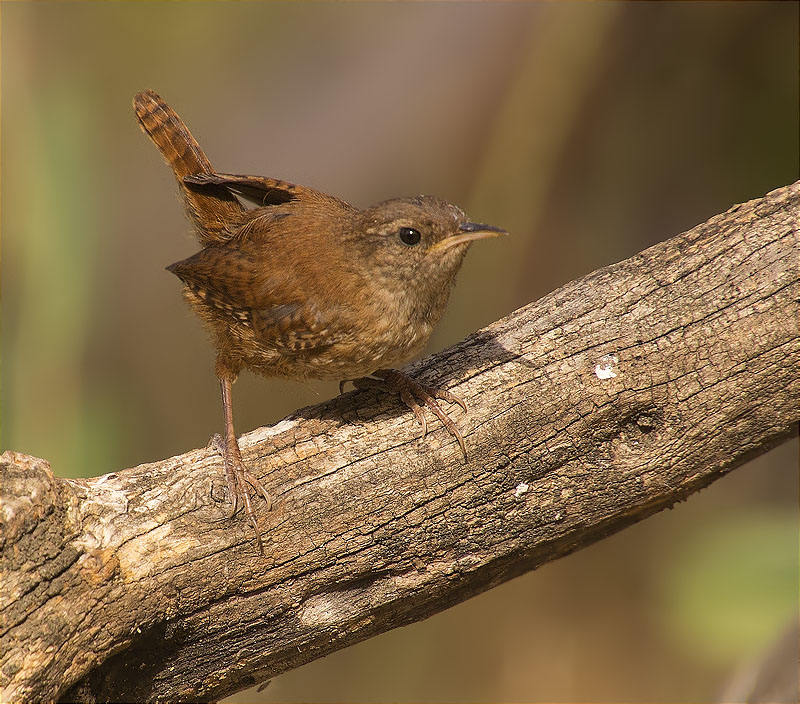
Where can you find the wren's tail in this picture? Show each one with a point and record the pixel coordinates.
(213, 208)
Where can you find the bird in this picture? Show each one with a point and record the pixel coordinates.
(292, 282)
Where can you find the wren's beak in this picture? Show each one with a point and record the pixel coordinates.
(468, 232)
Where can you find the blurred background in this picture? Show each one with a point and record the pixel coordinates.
(590, 131)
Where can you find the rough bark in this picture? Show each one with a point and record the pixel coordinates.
(592, 408)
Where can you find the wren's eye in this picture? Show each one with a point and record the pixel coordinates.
(409, 235)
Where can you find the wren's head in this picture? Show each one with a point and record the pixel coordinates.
(418, 244)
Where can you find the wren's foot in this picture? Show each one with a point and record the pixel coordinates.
(411, 393)
(240, 481)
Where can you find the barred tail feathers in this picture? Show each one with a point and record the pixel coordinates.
(211, 208)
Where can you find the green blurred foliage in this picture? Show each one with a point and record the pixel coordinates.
(590, 130)
(755, 593)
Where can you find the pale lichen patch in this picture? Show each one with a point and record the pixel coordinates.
(607, 368)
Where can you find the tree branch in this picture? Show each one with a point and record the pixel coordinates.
(590, 409)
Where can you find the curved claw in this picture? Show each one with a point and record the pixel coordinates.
(251, 514)
(254, 482)
(451, 398)
(416, 409)
(234, 493)
(442, 416)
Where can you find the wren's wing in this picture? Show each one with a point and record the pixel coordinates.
(257, 286)
(259, 190)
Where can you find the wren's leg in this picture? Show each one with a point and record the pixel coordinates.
(236, 474)
(411, 393)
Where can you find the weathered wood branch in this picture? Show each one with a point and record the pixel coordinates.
(598, 405)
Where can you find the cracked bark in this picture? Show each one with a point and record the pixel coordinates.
(592, 408)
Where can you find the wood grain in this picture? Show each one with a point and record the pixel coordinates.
(592, 408)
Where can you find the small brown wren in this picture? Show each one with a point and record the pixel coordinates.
(304, 285)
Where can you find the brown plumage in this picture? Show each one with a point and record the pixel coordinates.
(304, 285)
